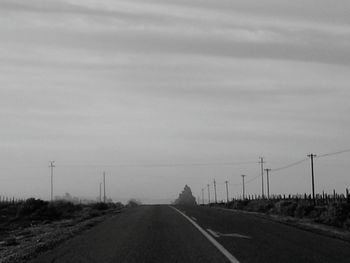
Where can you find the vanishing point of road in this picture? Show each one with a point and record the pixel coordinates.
(160, 233)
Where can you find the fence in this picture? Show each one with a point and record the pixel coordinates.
(10, 200)
(320, 199)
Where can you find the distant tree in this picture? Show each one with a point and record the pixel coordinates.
(186, 197)
(133, 203)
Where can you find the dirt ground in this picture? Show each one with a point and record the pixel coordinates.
(19, 243)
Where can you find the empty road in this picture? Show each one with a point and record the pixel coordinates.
(199, 234)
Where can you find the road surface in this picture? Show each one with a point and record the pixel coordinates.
(162, 234)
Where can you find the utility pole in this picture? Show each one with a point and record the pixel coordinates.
(243, 185)
(262, 175)
(52, 165)
(202, 196)
(100, 192)
(268, 182)
(104, 187)
(226, 182)
(208, 193)
(312, 156)
(215, 191)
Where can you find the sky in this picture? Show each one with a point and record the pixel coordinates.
(161, 93)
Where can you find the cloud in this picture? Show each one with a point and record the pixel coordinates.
(158, 28)
(86, 81)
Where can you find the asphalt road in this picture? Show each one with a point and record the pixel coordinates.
(162, 234)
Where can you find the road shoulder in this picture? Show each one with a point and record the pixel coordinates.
(303, 224)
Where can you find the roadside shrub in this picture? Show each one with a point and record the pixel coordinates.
(36, 209)
(65, 209)
(303, 210)
(262, 206)
(119, 205)
(336, 215)
(49, 212)
(30, 206)
(100, 206)
(286, 208)
(133, 203)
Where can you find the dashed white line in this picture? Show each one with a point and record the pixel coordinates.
(195, 219)
(223, 250)
(212, 232)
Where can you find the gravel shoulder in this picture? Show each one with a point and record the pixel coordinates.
(26, 243)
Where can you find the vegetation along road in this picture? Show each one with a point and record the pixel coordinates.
(195, 234)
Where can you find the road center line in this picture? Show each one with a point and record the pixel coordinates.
(223, 250)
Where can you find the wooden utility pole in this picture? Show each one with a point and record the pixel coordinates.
(268, 182)
(215, 191)
(52, 165)
(262, 175)
(208, 193)
(100, 192)
(226, 182)
(243, 186)
(202, 196)
(312, 156)
(104, 187)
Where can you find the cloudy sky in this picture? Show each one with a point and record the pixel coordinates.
(162, 93)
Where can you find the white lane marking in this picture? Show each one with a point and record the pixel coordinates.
(234, 235)
(218, 234)
(212, 232)
(223, 250)
(195, 219)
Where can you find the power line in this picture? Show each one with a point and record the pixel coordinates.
(289, 165)
(333, 153)
(160, 165)
(253, 179)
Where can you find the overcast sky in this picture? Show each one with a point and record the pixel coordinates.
(94, 84)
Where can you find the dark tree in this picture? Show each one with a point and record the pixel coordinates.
(186, 197)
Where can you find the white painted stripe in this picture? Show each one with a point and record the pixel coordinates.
(195, 219)
(212, 233)
(223, 250)
(235, 235)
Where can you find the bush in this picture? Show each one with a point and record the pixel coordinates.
(286, 208)
(119, 205)
(65, 209)
(262, 206)
(303, 209)
(100, 206)
(133, 203)
(36, 209)
(336, 215)
(30, 206)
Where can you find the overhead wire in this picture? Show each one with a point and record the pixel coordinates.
(289, 165)
(158, 165)
(292, 165)
(333, 153)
